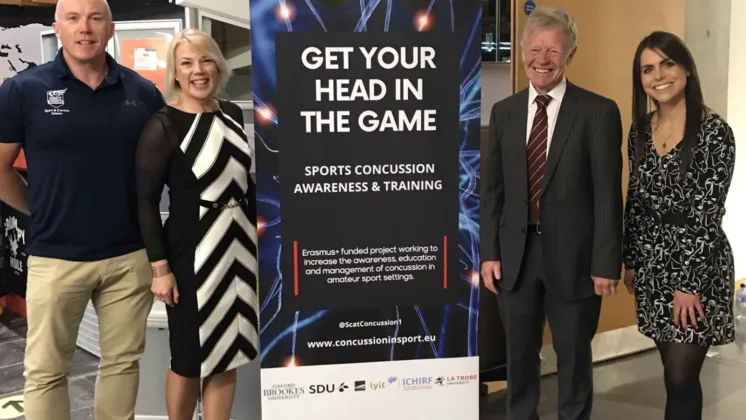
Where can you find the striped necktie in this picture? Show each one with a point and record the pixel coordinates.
(536, 151)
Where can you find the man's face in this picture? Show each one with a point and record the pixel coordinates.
(84, 27)
(546, 56)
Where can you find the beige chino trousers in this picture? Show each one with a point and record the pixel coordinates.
(56, 298)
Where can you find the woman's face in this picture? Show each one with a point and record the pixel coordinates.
(663, 79)
(195, 73)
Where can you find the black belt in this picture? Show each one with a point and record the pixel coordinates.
(224, 205)
(534, 229)
(678, 219)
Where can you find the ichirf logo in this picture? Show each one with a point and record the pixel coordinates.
(56, 98)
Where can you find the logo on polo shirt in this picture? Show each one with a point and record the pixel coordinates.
(56, 99)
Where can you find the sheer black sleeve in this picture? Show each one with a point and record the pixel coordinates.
(153, 157)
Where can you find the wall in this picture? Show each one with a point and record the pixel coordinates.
(715, 34)
(20, 48)
(234, 42)
(235, 12)
(496, 85)
(20, 29)
(608, 32)
(736, 115)
(240, 87)
(21, 26)
(707, 34)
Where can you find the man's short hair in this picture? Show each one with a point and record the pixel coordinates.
(552, 17)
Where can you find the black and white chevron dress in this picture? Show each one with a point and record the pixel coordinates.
(209, 238)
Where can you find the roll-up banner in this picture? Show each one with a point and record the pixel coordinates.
(367, 124)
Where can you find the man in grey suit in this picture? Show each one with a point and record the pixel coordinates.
(551, 217)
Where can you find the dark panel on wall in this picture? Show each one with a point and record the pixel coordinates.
(127, 6)
(15, 16)
(149, 10)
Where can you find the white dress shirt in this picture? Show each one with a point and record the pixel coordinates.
(557, 93)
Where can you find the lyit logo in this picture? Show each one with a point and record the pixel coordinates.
(377, 386)
(359, 386)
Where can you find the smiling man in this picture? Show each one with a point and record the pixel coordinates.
(78, 120)
(551, 217)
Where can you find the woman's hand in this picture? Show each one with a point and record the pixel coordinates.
(629, 280)
(685, 308)
(164, 284)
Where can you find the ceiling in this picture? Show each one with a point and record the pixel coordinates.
(29, 2)
(117, 6)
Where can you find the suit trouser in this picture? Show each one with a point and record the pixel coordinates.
(524, 312)
(57, 295)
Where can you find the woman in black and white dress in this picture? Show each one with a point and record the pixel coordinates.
(204, 258)
(679, 263)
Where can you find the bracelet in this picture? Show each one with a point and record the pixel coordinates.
(161, 270)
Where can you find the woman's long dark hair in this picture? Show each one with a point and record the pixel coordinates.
(675, 49)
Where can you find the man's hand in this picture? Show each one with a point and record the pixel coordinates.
(491, 271)
(629, 280)
(685, 308)
(604, 287)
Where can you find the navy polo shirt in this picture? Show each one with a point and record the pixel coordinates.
(80, 151)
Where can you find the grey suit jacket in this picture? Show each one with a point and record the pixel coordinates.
(581, 203)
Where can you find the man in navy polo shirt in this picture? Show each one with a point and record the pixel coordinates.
(78, 120)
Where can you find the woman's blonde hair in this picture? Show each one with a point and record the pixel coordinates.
(204, 45)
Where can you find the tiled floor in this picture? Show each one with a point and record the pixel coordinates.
(629, 388)
(632, 388)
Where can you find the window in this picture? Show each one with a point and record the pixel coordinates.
(496, 33)
(235, 44)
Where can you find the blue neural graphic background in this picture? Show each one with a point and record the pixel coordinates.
(284, 331)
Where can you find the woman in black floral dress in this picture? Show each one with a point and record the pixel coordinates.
(679, 263)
